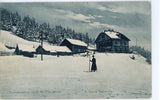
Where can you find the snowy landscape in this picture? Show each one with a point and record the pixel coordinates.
(118, 76)
(69, 50)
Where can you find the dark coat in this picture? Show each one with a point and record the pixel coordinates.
(94, 66)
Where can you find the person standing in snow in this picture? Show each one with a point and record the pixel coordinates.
(94, 66)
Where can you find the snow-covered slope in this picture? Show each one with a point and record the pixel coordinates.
(11, 40)
(7, 38)
(118, 76)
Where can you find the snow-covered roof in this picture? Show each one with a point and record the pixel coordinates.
(3, 48)
(112, 34)
(61, 49)
(76, 42)
(28, 48)
(56, 48)
(91, 48)
(48, 47)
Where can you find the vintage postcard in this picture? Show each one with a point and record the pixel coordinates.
(75, 50)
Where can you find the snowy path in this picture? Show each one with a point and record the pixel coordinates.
(118, 76)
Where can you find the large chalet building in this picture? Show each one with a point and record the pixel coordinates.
(112, 41)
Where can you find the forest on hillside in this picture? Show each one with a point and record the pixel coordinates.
(28, 28)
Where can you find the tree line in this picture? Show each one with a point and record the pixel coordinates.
(28, 28)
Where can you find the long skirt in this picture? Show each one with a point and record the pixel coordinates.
(94, 67)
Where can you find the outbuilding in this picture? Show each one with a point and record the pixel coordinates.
(53, 50)
(76, 46)
(25, 50)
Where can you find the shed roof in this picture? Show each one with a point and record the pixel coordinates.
(28, 48)
(3, 48)
(61, 49)
(76, 42)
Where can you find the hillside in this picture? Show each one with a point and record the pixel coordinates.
(118, 76)
(7, 38)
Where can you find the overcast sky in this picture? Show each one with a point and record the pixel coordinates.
(133, 19)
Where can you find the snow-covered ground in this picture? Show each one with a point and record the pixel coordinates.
(118, 76)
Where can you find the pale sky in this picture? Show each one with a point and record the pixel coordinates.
(130, 18)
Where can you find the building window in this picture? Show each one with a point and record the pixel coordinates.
(115, 42)
(125, 43)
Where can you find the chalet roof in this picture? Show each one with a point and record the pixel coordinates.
(116, 35)
(112, 34)
(76, 42)
(28, 48)
(56, 48)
